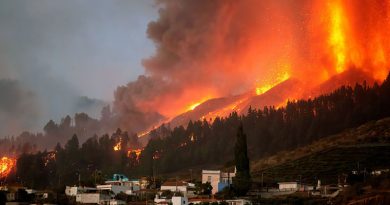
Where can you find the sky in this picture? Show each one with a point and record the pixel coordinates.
(54, 51)
(91, 45)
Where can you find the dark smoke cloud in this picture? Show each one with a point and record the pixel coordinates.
(132, 114)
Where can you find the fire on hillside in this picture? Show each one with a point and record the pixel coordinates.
(7, 164)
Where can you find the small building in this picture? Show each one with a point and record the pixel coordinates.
(175, 200)
(74, 190)
(173, 186)
(161, 200)
(120, 183)
(118, 187)
(213, 200)
(288, 186)
(93, 198)
(239, 202)
(218, 180)
(179, 200)
(142, 183)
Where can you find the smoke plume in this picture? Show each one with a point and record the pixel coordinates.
(207, 49)
(18, 107)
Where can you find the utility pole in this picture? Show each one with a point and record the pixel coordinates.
(228, 179)
(176, 184)
(358, 168)
(262, 179)
(300, 182)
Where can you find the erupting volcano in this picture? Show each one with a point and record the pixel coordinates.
(215, 57)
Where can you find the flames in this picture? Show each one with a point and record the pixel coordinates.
(51, 156)
(7, 164)
(118, 145)
(137, 152)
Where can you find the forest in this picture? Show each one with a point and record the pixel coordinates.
(202, 143)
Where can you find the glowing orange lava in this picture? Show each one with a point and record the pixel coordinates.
(6, 166)
(337, 35)
(193, 106)
(196, 104)
(264, 88)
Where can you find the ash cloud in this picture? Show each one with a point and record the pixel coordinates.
(208, 49)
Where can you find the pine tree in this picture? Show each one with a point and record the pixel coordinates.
(242, 180)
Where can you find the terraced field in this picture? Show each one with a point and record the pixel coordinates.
(327, 165)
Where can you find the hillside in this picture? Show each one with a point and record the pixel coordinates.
(367, 145)
(290, 89)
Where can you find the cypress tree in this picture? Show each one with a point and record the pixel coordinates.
(242, 180)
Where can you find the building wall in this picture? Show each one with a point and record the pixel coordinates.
(115, 188)
(178, 200)
(182, 189)
(212, 176)
(91, 198)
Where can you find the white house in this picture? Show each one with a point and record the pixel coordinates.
(217, 179)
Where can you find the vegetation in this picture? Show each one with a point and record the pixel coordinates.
(371, 132)
(92, 162)
(203, 188)
(81, 124)
(329, 165)
(269, 130)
